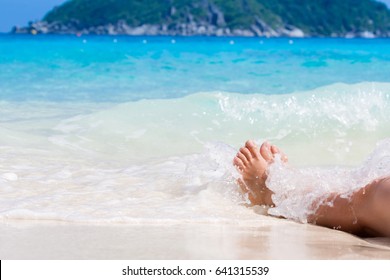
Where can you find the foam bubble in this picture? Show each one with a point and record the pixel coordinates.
(10, 176)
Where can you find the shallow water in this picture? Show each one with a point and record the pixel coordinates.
(142, 130)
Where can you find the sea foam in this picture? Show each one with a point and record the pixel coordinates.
(299, 192)
(170, 161)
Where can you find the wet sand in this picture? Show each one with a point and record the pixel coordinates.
(269, 239)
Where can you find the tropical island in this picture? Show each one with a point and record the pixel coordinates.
(268, 18)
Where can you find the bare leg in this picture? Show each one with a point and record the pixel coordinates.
(366, 212)
(376, 207)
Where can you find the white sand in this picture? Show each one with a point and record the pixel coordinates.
(270, 239)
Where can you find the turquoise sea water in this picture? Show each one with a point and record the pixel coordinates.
(101, 128)
(51, 68)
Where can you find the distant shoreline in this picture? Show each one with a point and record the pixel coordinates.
(186, 36)
(185, 30)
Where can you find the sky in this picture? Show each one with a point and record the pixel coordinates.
(20, 12)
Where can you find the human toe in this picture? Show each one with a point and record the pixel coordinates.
(245, 153)
(237, 162)
(275, 150)
(265, 151)
(243, 158)
(252, 148)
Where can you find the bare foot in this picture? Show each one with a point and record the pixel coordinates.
(252, 163)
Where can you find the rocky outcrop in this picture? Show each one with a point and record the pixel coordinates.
(260, 29)
(191, 28)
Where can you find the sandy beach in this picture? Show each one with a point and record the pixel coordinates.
(270, 238)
